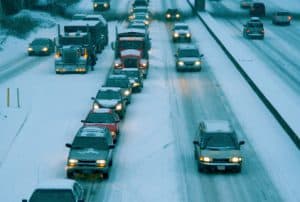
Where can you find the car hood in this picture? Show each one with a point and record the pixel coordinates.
(110, 126)
(182, 31)
(108, 103)
(88, 154)
(189, 59)
(220, 153)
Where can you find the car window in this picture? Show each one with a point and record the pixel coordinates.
(98, 143)
(100, 118)
(219, 141)
(40, 42)
(117, 83)
(188, 53)
(181, 27)
(52, 196)
(257, 25)
(110, 94)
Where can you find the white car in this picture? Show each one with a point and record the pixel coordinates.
(281, 18)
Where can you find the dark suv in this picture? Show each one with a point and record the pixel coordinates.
(135, 76)
(172, 14)
(257, 9)
(90, 152)
(254, 29)
(216, 146)
(188, 58)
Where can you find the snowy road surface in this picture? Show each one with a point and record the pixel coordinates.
(153, 160)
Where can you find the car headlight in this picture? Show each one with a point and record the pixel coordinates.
(119, 107)
(117, 65)
(136, 84)
(45, 49)
(113, 133)
(96, 106)
(72, 162)
(126, 92)
(205, 159)
(235, 159)
(144, 64)
(146, 22)
(197, 63)
(168, 15)
(176, 35)
(101, 163)
(177, 16)
(30, 49)
(95, 5)
(180, 63)
(105, 5)
(188, 35)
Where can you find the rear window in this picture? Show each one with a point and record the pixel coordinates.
(257, 25)
(45, 195)
(100, 118)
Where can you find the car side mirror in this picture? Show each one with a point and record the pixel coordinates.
(175, 55)
(83, 121)
(24, 200)
(196, 142)
(112, 45)
(201, 55)
(111, 146)
(93, 98)
(68, 145)
(241, 142)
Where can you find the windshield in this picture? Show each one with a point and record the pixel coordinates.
(108, 95)
(52, 196)
(181, 27)
(98, 143)
(188, 53)
(220, 141)
(117, 83)
(100, 118)
(72, 40)
(131, 45)
(39, 42)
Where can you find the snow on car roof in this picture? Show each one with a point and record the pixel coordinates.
(131, 38)
(101, 110)
(130, 52)
(83, 23)
(117, 76)
(212, 126)
(91, 131)
(56, 184)
(110, 88)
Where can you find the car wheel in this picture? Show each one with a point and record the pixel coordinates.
(70, 175)
(201, 168)
(105, 175)
(238, 169)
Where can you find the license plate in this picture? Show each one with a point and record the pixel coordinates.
(221, 167)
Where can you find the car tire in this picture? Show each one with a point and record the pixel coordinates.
(105, 175)
(201, 168)
(238, 169)
(70, 175)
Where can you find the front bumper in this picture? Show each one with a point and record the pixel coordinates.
(101, 6)
(87, 169)
(70, 69)
(220, 166)
(188, 68)
(182, 38)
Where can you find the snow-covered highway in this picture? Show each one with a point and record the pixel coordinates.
(154, 159)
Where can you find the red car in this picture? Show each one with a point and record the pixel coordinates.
(105, 118)
(132, 58)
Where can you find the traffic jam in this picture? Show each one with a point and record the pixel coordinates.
(217, 146)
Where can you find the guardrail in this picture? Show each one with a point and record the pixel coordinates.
(291, 133)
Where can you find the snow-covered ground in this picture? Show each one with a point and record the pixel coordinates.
(153, 160)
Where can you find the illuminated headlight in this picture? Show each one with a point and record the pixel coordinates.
(197, 63)
(72, 162)
(146, 22)
(168, 15)
(45, 49)
(101, 163)
(144, 64)
(127, 92)
(30, 49)
(96, 106)
(180, 63)
(105, 5)
(235, 159)
(131, 17)
(95, 5)
(177, 16)
(117, 65)
(136, 84)
(113, 134)
(147, 16)
(205, 159)
(176, 35)
(60, 70)
(188, 35)
(119, 107)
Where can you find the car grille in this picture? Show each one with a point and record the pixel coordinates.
(221, 160)
(189, 63)
(130, 63)
(86, 163)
